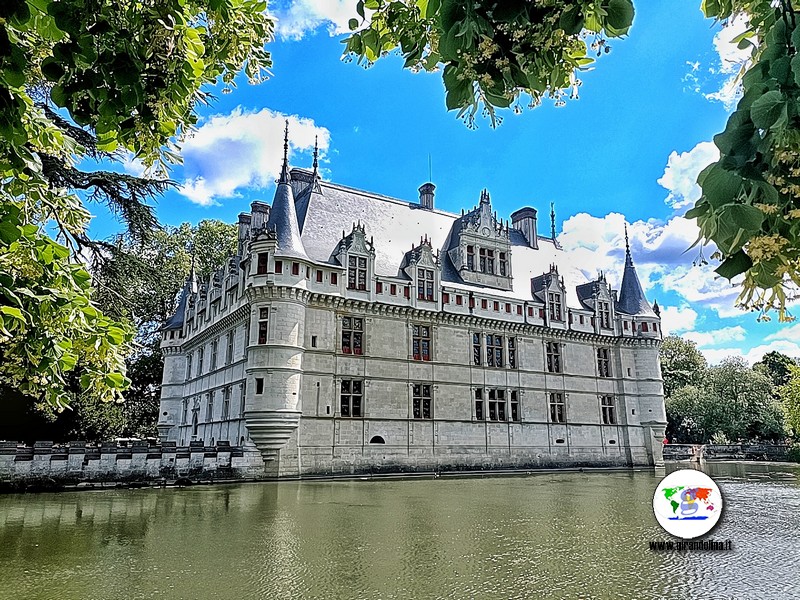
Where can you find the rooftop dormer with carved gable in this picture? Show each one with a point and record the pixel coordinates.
(422, 266)
(357, 255)
(549, 289)
(481, 247)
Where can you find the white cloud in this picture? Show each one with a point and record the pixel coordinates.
(675, 319)
(715, 337)
(680, 174)
(789, 332)
(242, 149)
(731, 59)
(659, 253)
(754, 354)
(304, 16)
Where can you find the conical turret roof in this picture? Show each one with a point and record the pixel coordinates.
(632, 300)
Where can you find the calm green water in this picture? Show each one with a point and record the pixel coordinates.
(559, 535)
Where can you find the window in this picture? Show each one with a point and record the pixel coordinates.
(226, 403)
(334, 279)
(279, 266)
(393, 289)
(424, 284)
(459, 299)
(259, 385)
(263, 263)
(581, 320)
(313, 341)
(482, 263)
(229, 351)
(503, 264)
(508, 307)
(476, 349)
(471, 258)
(494, 350)
(554, 301)
(604, 362)
(484, 304)
(210, 406)
(407, 291)
(496, 306)
(644, 326)
(530, 311)
(242, 398)
(553, 353)
(319, 276)
(519, 309)
(421, 342)
(445, 298)
(184, 411)
(604, 308)
(490, 261)
(609, 410)
(558, 410)
(422, 402)
(263, 322)
(512, 353)
(189, 366)
(214, 348)
(515, 416)
(351, 397)
(379, 287)
(352, 335)
(200, 361)
(479, 404)
(308, 272)
(357, 273)
(497, 405)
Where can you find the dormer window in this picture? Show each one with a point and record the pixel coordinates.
(554, 302)
(357, 273)
(604, 309)
(490, 261)
(425, 284)
(483, 260)
(471, 258)
(503, 264)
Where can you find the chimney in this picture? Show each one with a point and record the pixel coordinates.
(260, 214)
(426, 195)
(524, 220)
(244, 231)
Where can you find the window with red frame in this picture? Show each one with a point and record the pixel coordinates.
(378, 287)
(295, 268)
(519, 310)
(263, 323)
(496, 305)
(425, 284)
(421, 342)
(319, 276)
(407, 292)
(263, 262)
(445, 298)
(334, 279)
(530, 311)
(357, 273)
(484, 304)
(459, 300)
(393, 289)
(279, 266)
(352, 335)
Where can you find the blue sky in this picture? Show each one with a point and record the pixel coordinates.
(628, 150)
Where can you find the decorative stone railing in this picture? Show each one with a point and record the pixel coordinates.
(51, 465)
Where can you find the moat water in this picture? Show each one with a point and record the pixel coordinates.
(552, 535)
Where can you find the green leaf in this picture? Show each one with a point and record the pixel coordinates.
(747, 217)
(620, 15)
(12, 312)
(734, 265)
(353, 24)
(719, 185)
(766, 110)
(8, 232)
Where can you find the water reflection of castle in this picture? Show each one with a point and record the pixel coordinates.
(354, 332)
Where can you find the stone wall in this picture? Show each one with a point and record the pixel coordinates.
(46, 465)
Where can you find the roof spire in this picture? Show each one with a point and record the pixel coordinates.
(285, 168)
(628, 257)
(553, 220)
(316, 156)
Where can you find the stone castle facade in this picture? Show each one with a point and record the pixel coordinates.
(355, 333)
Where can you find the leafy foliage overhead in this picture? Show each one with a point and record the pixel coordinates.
(491, 52)
(82, 81)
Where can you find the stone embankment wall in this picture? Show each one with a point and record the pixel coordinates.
(776, 452)
(46, 465)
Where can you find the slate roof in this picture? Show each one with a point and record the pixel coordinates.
(632, 300)
(396, 224)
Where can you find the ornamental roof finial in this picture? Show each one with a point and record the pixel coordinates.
(284, 178)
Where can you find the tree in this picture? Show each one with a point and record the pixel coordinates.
(494, 53)
(776, 366)
(789, 394)
(682, 364)
(142, 285)
(730, 401)
(84, 80)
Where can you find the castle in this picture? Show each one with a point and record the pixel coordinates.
(359, 333)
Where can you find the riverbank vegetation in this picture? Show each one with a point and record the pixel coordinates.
(730, 402)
